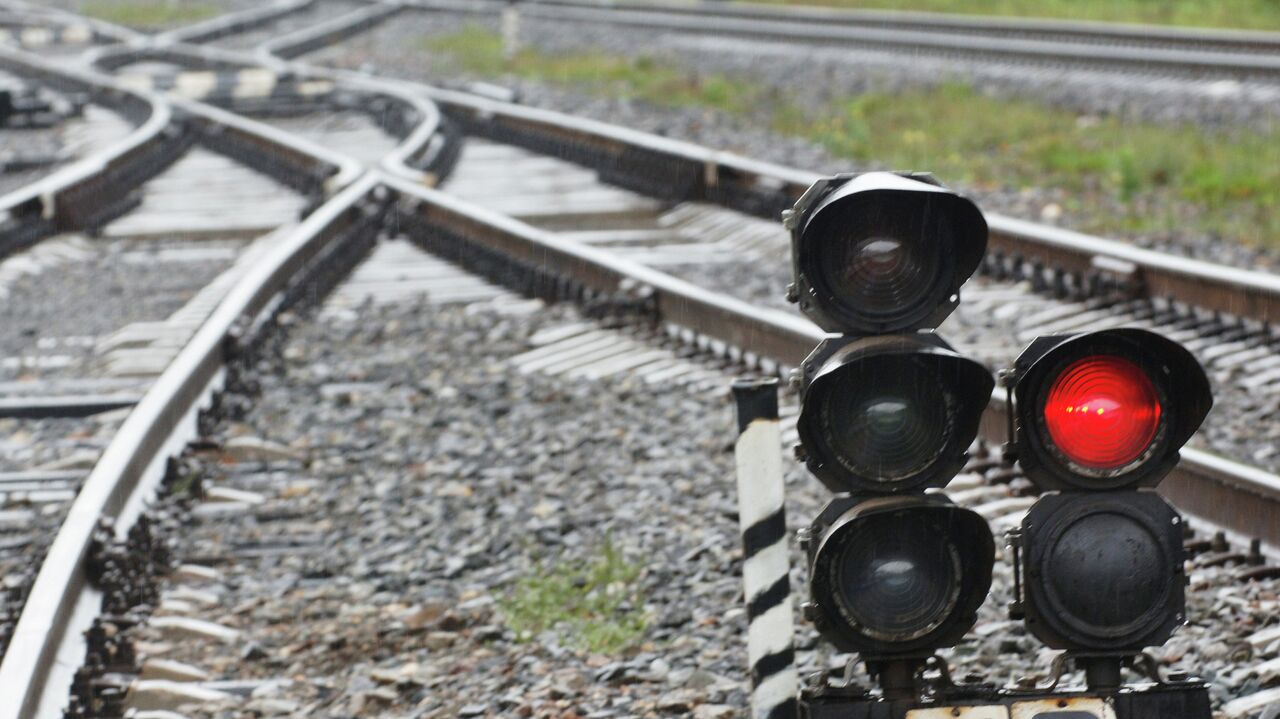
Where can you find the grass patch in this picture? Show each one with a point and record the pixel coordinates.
(1250, 14)
(595, 606)
(148, 14)
(1224, 182)
(1138, 177)
(479, 51)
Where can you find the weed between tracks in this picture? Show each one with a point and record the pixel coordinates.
(1131, 177)
(595, 606)
(1253, 14)
(142, 14)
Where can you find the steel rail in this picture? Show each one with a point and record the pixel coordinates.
(121, 475)
(1015, 49)
(629, 157)
(766, 332)
(296, 161)
(1206, 486)
(633, 158)
(1242, 496)
(1221, 39)
(235, 22)
(426, 145)
(53, 614)
(330, 31)
(288, 153)
(118, 475)
(423, 144)
(82, 192)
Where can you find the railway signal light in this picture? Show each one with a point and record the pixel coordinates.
(1105, 410)
(889, 409)
(881, 252)
(1098, 419)
(897, 575)
(1102, 572)
(893, 413)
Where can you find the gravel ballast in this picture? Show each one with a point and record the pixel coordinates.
(418, 479)
(61, 312)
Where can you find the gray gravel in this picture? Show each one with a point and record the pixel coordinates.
(427, 478)
(55, 444)
(395, 49)
(65, 310)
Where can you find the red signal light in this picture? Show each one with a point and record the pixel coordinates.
(1102, 412)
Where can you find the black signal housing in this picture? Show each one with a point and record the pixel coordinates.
(889, 414)
(1176, 377)
(880, 252)
(1102, 571)
(897, 576)
(888, 410)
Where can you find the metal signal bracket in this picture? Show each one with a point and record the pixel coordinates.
(1013, 537)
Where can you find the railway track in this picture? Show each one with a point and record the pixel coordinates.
(1088, 33)
(606, 208)
(1141, 49)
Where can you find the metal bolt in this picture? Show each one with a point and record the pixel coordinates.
(809, 610)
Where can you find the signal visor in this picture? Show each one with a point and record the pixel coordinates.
(890, 414)
(1105, 410)
(880, 252)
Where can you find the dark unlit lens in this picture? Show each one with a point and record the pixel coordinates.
(1127, 572)
(885, 263)
(887, 420)
(898, 576)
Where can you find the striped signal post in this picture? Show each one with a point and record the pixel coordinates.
(766, 565)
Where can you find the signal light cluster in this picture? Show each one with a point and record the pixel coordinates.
(889, 410)
(1098, 421)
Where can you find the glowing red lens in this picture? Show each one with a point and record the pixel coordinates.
(1102, 412)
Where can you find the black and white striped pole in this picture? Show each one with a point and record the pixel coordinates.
(766, 564)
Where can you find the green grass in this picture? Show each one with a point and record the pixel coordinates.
(1133, 177)
(480, 51)
(594, 606)
(1227, 183)
(148, 13)
(1250, 14)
